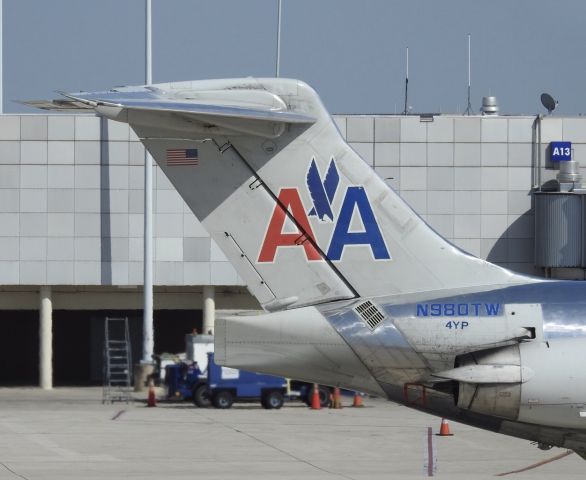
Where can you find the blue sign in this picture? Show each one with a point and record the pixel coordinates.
(561, 151)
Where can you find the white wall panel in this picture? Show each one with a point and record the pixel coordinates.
(469, 177)
(9, 127)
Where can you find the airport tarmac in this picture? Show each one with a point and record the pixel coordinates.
(68, 434)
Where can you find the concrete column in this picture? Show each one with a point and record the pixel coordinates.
(46, 339)
(209, 308)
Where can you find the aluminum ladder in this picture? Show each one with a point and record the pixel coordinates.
(117, 362)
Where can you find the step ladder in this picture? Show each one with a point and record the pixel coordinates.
(117, 364)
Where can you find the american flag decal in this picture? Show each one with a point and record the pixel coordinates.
(182, 156)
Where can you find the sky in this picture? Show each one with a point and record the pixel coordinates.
(351, 51)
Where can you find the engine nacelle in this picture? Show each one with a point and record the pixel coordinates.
(549, 387)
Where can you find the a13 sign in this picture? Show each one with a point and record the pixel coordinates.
(560, 151)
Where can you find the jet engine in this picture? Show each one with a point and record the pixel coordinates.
(533, 382)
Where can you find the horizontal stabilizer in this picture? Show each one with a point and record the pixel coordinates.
(262, 113)
(203, 110)
(487, 374)
(58, 104)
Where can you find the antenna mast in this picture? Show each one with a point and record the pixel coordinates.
(405, 111)
(469, 107)
(278, 62)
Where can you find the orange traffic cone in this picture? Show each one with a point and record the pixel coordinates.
(445, 429)
(337, 398)
(357, 400)
(315, 403)
(152, 399)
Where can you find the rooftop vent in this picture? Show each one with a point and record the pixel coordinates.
(569, 175)
(490, 106)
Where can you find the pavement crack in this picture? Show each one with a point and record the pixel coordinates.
(16, 474)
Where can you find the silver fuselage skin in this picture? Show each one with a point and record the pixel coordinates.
(428, 332)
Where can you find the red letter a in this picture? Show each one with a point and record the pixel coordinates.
(275, 238)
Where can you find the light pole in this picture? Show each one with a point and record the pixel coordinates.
(148, 337)
(1, 60)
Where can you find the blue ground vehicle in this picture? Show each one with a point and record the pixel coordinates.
(221, 386)
(229, 384)
(188, 380)
(183, 381)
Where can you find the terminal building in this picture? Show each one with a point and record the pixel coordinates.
(71, 222)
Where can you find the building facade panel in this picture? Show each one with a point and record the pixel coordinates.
(494, 154)
(33, 152)
(521, 130)
(60, 127)
(493, 130)
(387, 154)
(10, 127)
(9, 152)
(467, 154)
(364, 150)
(387, 129)
(413, 130)
(551, 129)
(413, 154)
(440, 154)
(441, 130)
(71, 193)
(360, 129)
(88, 127)
(467, 130)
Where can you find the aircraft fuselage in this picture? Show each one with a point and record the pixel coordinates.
(503, 359)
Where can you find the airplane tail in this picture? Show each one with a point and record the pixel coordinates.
(300, 215)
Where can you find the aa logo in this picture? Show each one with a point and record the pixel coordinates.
(322, 191)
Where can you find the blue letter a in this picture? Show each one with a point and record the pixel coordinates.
(356, 198)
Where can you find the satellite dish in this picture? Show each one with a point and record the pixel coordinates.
(548, 102)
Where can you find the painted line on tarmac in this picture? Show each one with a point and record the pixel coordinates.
(42, 440)
(299, 459)
(430, 462)
(13, 472)
(118, 415)
(538, 464)
(284, 452)
(429, 454)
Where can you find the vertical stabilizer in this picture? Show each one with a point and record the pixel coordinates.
(300, 215)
